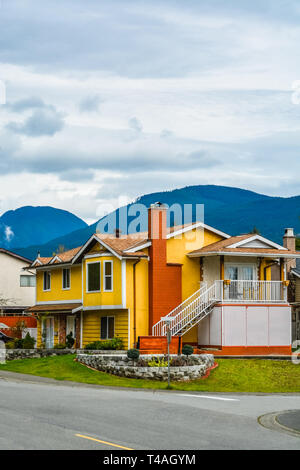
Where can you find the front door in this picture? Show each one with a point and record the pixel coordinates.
(70, 327)
(49, 332)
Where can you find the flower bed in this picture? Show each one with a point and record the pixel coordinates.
(182, 368)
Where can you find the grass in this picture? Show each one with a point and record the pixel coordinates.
(232, 375)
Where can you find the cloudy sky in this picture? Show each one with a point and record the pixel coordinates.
(110, 99)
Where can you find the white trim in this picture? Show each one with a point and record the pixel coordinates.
(256, 237)
(62, 278)
(108, 316)
(59, 302)
(124, 283)
(138, 248)
(295, 273)
(111, 276)
(103, 307)
(235, 253)
(197, 225)
(87, 277)
(81, 329)
(49, 272)
(98, 255)
(56, 257)
(128, 329)
(37, 260)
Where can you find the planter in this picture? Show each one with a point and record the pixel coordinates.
(119, 364)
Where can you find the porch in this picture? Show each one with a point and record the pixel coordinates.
(251, 291)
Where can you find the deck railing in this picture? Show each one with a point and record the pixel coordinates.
(253, 291)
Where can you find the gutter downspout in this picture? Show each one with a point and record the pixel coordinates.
(134, 302)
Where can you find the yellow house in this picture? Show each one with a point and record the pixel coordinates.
(216, 289)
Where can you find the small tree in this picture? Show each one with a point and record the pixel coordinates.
(70, 340)
(187, 350)
(133, 354)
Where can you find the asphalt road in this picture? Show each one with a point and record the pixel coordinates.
(64, 416)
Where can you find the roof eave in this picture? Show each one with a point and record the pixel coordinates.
(240, 253)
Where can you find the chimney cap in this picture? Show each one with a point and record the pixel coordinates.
(158, 205)
(289, 232)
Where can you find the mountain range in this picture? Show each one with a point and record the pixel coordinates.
(232, 210)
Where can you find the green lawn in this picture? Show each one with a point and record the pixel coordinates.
(232, 375)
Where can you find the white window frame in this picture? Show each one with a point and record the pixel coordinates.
(107, 316)
(62, 275)
(27, 276)
(87, 278)
(46, 290)
(111, 275)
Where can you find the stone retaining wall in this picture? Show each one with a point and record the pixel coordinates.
(12, 354)
(119, 364)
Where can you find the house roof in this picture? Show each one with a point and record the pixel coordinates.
(15, 255)
(125, 246)
(249, 244)
(53, 308)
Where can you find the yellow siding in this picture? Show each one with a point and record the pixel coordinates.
(142, 307)
(92, 325)
(104, 298)
(177, 249)
(57, 292)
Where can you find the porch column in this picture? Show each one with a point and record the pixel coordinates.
(222, 267)
(260, 271)
(282, 272)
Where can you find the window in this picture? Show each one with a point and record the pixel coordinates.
(107, 327)
(66, 274)
(47, 280)
(108, 276)
(27, 281)
(93, 277)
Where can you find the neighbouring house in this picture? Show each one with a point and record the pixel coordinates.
(17, 292)
(217, 290)
(294, 297)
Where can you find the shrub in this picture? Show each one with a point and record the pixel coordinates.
(70, 340)
(10, 345)
(133, 354)
(157, 362)
(60, 346)
(110, 344)
(187, 350)
(28, 342)
(116, 343)
(18, 343)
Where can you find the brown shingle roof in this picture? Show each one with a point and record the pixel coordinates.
(222, 246)
(53, 308)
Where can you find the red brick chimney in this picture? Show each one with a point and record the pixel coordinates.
(164, 278)
(289, 242)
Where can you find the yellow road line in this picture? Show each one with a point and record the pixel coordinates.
(103, 442)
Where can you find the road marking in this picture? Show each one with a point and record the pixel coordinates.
(206, 396)
(103, 442)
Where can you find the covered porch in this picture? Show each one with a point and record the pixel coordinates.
(246, 269)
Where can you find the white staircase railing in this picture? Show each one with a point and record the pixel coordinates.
(190, 312)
